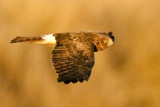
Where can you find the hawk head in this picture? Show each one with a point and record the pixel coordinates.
(103, 41)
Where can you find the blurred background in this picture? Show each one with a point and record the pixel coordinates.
(127, 74)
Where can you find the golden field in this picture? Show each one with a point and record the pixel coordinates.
(127, 74)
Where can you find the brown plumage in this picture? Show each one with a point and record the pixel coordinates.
(73, 54)
(26, 39)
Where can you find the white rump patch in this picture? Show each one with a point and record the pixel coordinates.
(46, 40)
(49, 39)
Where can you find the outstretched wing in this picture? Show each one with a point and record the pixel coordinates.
(73, 61)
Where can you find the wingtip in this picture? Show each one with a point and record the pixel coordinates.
(110, 33)
(69, 81)
(111, 36)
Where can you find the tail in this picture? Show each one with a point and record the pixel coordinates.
(46, 39)
(26, 39)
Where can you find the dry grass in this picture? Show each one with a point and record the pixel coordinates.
(125, 75)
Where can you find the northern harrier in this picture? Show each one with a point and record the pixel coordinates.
(73, 53)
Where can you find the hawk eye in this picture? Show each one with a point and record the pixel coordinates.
(105, 40)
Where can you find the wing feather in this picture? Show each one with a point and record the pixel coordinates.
(73, 61)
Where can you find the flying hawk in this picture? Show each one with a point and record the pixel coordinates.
(73, 53)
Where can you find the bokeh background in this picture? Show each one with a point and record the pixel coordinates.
(125, 75)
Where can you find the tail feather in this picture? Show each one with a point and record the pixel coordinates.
(46, 40)
(26, 39)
